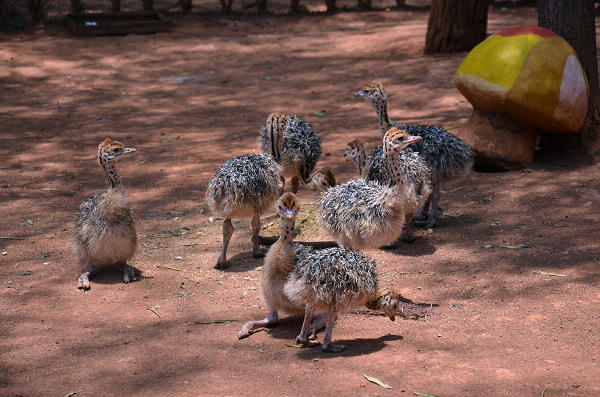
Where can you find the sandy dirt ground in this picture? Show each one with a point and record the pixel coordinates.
(511, 275)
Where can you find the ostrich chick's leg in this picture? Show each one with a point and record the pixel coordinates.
(128, 272)
(222, 262)
(435, 211)
(328, 347)
(257, 252)
(408, 235)
(303, 338)
(294, 184)
(270, 320)
(430, 217)
(421, 219)
(84, 281)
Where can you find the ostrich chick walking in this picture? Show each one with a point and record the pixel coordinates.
(333, 280)
(244, 187)
(449, 158)
(279, 262)
(104, 233)
(365, 214)
(291, 142)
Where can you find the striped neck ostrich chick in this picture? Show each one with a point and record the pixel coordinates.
(321, 180)
(332, 280)
(104, 233)
(279, 262)
(365, 214)
(293, 144)
(413, 167)
(244, 187)
(449, 158)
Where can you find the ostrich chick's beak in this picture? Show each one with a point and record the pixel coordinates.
(359, 93)
(128, 150)
(412, 139)
(288, 214)
(390, 309)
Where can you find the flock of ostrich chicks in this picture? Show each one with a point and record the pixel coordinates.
(400, 185)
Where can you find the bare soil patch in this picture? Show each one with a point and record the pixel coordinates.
(512, 270)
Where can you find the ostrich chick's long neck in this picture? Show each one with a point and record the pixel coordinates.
(393, 143)
(380, 107)
(114, 182)
(361, 157)
(287, 231)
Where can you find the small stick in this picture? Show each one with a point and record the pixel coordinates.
(170, 267)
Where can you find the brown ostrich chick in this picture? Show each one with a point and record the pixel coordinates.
(104, 233)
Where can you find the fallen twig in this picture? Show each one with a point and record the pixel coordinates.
(170, 268)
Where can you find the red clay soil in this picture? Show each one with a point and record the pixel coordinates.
(511, 273)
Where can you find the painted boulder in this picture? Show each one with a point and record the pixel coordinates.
(529, 74)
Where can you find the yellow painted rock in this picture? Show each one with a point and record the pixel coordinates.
(529, 74)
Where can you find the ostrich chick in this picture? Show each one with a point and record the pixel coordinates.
(449, 158)
(332, 280)
(416, 177)
(321, 180)
(279, 262)
(104, 232)
(293, 144)
(244, 187)
(365, 214)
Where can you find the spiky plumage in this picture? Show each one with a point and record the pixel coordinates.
(333, 280)
(414, 171)
(449, 158)
(292, 143)
(365, 214)
(104, 233)
(243, 187)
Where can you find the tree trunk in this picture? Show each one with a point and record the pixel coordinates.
(34, 10)
(456, 25)
(76, 6)
(574, 20)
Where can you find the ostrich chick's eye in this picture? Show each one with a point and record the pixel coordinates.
(115, 150)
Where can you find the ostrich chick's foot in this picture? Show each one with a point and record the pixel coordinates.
(331, 348)
(430, 220)
(128, 273)
(222, 264)
(420, 218)
(84, 282)
(406, 238)
(269, 321)
(260, 253)
(307, 342)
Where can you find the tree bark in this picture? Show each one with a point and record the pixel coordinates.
(34, 10)
(574, 20)
(456, 25)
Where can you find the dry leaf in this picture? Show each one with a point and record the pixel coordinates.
(513, 247)
(377, 381)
